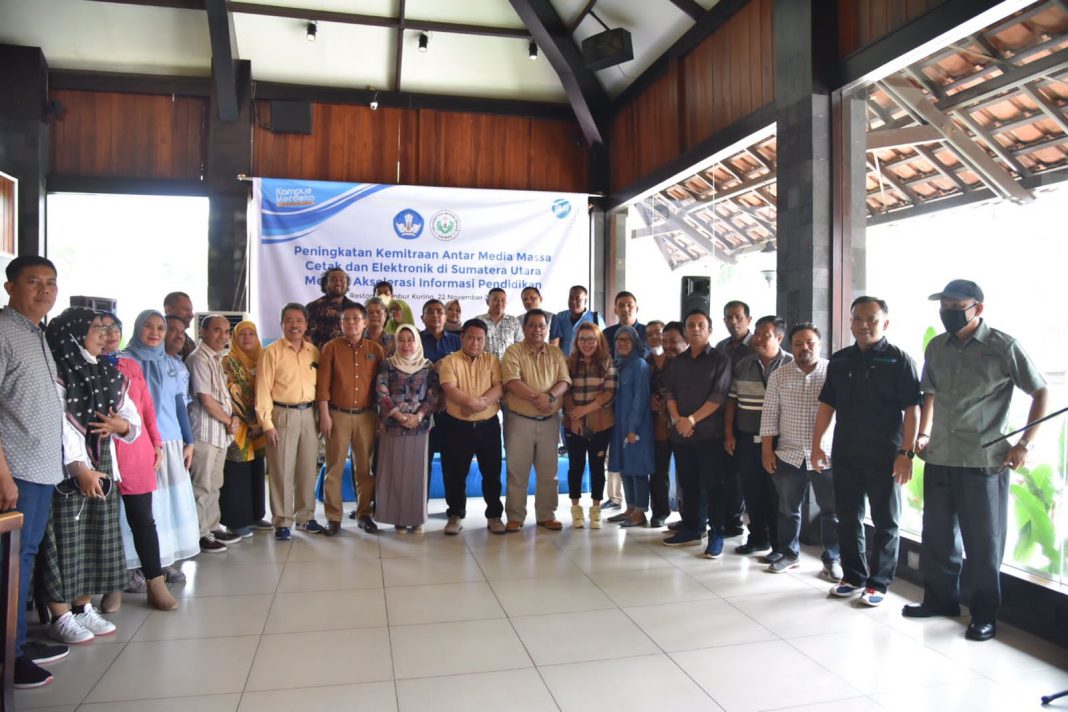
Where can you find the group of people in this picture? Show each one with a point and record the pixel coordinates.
(188, 435)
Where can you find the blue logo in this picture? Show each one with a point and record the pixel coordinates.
(408, 224)
(561, 208)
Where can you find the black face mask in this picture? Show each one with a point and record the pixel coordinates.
(955, 319)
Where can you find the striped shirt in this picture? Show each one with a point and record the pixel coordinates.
(747, 389)
(790, 406)
(207, 377)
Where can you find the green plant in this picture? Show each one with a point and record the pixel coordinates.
(1034, 500)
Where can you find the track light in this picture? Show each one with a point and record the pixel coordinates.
(313, 30)
(532, 50)
(374, 100)
(424, 42)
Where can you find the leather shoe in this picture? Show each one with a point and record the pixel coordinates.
(367, 524)
(513, 525)
(980, 631)
(922, 610)
(332, 529)
(617, 518)
(551, 524)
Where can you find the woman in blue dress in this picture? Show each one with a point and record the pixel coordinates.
(631, 453)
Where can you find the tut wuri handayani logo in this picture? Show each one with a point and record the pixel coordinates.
(408, 224)
(445, 225)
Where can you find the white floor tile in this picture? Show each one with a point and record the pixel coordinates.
(455, 648)
(585, 635)
(697, 624)
(524, 597)
(323, 658)
(419, 571)
(326, 610)
(203, 703)
(208, 617)
(331, 575)
(512, 690)
(75, 676)
(650, 586)
(442, 603)
(377, 696)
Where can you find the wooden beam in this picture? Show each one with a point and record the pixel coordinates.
(690, 7)
(581, 16)
(224, 57)
(398, 59)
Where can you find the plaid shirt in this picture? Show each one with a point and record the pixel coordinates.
(790, 406)
(586, 384)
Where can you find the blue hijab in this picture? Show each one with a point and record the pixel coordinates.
(153, 359)
(635, 351)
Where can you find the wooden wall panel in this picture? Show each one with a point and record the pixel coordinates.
(862, 22)
(129, 135)
(559, 159)
(647, 132)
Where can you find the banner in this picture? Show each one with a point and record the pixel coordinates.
(431, 243)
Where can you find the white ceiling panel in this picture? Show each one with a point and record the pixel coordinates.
(494, 13)
(379, 8)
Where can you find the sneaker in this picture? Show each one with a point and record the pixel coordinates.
(171, 574)
(454, 526)
(283, 534)
(784, 564)
(753, 548)
(210, 545)
(683, 539)
(844, 590)
(312, 527)
(832, 571)
(94, 622)
(578, 517)
(39, 652)
(29, 675)
(66, 629)
(226, 537)
(714, 550)
(561, 451)
(871, 597)
(262, 525)
(595, 517)
(352, 514)
(610, 504)
(776, 555)
(244, 532)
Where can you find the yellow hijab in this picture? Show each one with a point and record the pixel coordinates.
(249, 358)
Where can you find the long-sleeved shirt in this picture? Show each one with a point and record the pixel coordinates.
(284, 375)
(790, 406)
(74, 449)
(408, 393)
(137, 459)
(347, 373)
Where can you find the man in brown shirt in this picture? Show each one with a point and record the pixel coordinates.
(345, 391)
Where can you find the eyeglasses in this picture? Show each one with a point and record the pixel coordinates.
(587, 339)
(106, 329)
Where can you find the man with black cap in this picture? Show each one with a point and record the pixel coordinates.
(969, 374)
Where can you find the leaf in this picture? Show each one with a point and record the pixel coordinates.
(1039, 526)
(927, 336)
(1041, 483)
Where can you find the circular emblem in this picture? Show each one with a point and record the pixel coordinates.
(445, 225)
(408, 224)
(561, 208)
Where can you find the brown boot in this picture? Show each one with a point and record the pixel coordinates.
(158, 595)
(111, 602)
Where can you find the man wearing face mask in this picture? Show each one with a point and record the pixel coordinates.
(969, 374)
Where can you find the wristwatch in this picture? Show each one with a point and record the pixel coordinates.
(907, 453)
(1027, 445)
(692, 421)
(552, 398)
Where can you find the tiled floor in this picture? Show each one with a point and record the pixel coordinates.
(574, 620)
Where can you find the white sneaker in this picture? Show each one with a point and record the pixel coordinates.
(92, 620)
(67, 629)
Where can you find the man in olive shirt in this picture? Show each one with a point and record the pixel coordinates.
(969, 374)
(535, 379)
(471, 381)
(285, 397)
(345, 391)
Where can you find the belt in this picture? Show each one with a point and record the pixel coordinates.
(294, 406)
(350, 411)
(470, 423)
(538, 418)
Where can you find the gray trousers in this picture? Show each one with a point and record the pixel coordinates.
(530, 443)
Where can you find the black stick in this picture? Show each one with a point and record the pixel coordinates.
(1026, 427)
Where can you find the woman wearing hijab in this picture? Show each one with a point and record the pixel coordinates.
(631, 453)
(407, 393)
(138, 462)
(454, 317)
(82, 552)
(241, 498)
(399, 315)
(173, 505)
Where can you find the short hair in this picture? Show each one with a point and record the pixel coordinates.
(175, 317)
(531, 288)
(496, 289)
(580, 288)
(431, 302)
(734, 304)
(17, 265)
(676, 326)
(699, 312)
(206, 320)
(474, 324)
(384, 283)
(654, 322)
(622, 294)
(326, 278)
(536, 312)
(777, 321)
(376, 301)
(805, 326)
(171, 300)
(105, 314)
(354, 306)
(870, 300)
(294, 306)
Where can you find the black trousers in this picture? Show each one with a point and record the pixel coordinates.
(964, 509)
(580, 448)
(761, 497)
(143, 527)
(660, 482)
(433, 445)
(699, 467)
(241, 499)
(733, 498)
(853, 481)
(461, 441)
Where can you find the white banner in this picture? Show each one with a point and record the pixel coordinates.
(431, 243)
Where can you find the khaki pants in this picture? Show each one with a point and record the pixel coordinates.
(531, 443)
(207, 475)
(613, 487)
(358, 432)
(291, 466)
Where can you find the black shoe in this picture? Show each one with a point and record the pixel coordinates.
(38, 652)
(609, 504)
(772, 557)
(332, 529)
(730, 531)
(751, 548)
(561, 451)
(617, 518)
(367, 524)
(657, 522)
(980, 631)
(28, 674)
(922, 610)
(675, 526)
(352, 514)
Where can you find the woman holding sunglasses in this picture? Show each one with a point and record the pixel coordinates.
(82, 553)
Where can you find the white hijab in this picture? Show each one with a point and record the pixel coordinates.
(415, 362)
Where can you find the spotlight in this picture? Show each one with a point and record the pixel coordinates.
(374, 101)
(424, 42)
(313, 30)
(532, 50)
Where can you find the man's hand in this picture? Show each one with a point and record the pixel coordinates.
(326, 424)
(922, 443)
(902, 469)
(684, 427)
(1017, 457)
(819, 459)
(656, 403)
(541, 402)
(187, 456)
(767, 459)
(729, 443)
(235, 423)
(272, 437)
(9, 492)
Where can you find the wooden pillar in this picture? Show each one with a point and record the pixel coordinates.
(24, 140)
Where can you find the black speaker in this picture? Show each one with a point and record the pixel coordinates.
(607, 49)
(696, 293)
(291, 117)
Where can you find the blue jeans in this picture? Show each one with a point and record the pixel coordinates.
(636, 490)
(791, 483)
(35, 503)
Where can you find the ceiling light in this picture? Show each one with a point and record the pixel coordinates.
(313, 30)
(424, 41)
(374, 100)
(532, 50)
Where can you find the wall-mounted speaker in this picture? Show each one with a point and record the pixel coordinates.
(696, 294)
(607, 49)
(291, 117)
